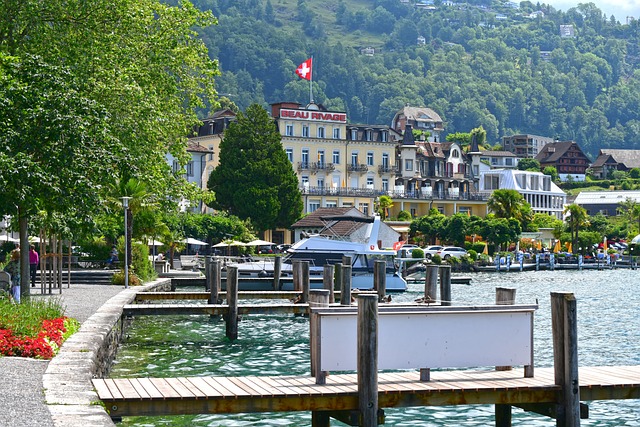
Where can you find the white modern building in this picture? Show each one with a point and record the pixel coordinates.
(537, 189)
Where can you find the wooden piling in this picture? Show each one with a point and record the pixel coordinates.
(345, 291)
(445, 285)
(504, 296)
(565, 356)
(327, 281)
(317, 298)
(214, 279)
(232, 301)
(277, 270)
(337, 277)
(380, 279)
(368, 359)
(431, 283)
(304, 279)
(297, 276)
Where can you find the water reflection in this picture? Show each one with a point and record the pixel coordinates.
(608, 334)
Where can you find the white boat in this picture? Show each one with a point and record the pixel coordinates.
(320, 250)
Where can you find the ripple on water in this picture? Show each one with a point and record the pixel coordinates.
(608, 334)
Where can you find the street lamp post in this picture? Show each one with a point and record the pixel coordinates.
(125, 205)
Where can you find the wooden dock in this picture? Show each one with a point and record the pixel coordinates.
(199, 395)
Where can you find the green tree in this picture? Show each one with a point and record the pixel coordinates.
(529, 165)
(384, 204)
(254, 179)
(455, 228)
(507, 204)
(576, 217)
(552, 172)
(430, 226)
(499, 231)
(630, 209)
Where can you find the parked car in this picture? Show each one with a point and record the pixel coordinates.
(406, 250)
(430, 251)
(452, 251)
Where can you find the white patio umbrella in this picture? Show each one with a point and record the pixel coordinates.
(227, 244)
(7, 238)
(192, 241)
(259, 242)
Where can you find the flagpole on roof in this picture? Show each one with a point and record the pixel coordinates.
(311, 82)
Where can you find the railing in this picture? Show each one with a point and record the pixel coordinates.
(303, 166)
(357, 168)
(382, 169)
(322, 166)
(370, 192)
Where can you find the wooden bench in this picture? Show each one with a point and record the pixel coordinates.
(411, 337)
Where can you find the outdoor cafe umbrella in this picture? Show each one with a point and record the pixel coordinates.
(259, 242)
(192, 241)
(557, 247)
(227, 244)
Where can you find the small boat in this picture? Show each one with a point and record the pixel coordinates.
(320, 250)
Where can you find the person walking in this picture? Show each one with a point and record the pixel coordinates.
(34, 259)
(13, 268)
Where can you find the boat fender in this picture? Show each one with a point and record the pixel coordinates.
(372, 247)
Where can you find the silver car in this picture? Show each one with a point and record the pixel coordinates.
(430, 251)
(452, 251)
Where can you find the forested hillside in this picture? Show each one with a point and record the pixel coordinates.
(501, 65)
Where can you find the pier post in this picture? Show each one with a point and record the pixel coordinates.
(380, 279)
(504, 296)
(431, 283)
(368, 359)
(214, 277)
(317, 298)
(327, 281)
(345, 291)
(277, 269)
(232, 302)
(337, 277)
(297, 276)
(537, 262)
(445, 285)
(565, 356)
(207, 274)
(304, 276)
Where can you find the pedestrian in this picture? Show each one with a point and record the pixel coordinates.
(13, 268)
(34, 259)
(113, 256)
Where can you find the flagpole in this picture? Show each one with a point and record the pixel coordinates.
(311, 83)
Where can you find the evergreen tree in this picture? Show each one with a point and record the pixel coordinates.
(254, 179)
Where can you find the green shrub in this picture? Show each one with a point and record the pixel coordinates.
(436, 259)
(417, 253)
(118, 278)
(404, 216)
(473, 254)
(478, 247)
(141, 263)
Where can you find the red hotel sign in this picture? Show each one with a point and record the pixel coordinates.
(321, 116)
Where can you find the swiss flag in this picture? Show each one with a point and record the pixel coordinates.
(304, 70)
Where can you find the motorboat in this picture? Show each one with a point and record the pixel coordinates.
(320, 250)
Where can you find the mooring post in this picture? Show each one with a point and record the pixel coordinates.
(345, 291)
(504, 296)
(304, 278)
(337, 277)
(297, 276)
(317, 298)
(368, 359)
(380, 279)
(445, 285)
(207, 273)
(232, 302)
(431, 283)
(327, 281)
(565, 356)
(214, 279)
(277, 269)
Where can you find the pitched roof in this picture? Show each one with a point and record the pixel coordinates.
(195, 147)
(629, 158)
(550, 153)
(602, 160)
(490, 153)
(421, 114)
(337, 228)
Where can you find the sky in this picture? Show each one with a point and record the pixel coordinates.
(618, 8)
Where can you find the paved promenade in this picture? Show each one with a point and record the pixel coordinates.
(57, 393)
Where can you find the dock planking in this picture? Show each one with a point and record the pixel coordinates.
(197, 395)
(212, 309)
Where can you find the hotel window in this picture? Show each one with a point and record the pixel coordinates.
(354, 159)
(211, 154)
(491, 182)
(305, 131)
(367, 135)
(385, 184)
(369, 182)
(190, 168)
(313, 205)
(364, 208)
(354, 134)
(304, 179)
(370, 158)
(305, 156)
(289, 130)
(320, 132)
(320, 182)
(336, 157)
(385, 161)
(321, 158)
(289, 152)
(331, 204)
(336, 133)
(384, 136)
(408, 164)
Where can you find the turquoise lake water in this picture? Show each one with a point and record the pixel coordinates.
(608, 334)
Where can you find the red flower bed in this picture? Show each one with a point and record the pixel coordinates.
(43, 346)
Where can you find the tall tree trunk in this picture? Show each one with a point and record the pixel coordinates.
(24, 254)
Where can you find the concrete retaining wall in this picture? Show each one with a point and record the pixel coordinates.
(88, 354)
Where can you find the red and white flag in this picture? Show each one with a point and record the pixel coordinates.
(304, 70)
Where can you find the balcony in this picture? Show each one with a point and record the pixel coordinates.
(322, 167)
(386, 169)
(357, 168)
(400, 194)
(304, 166)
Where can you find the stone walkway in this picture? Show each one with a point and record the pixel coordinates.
(59, 392)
